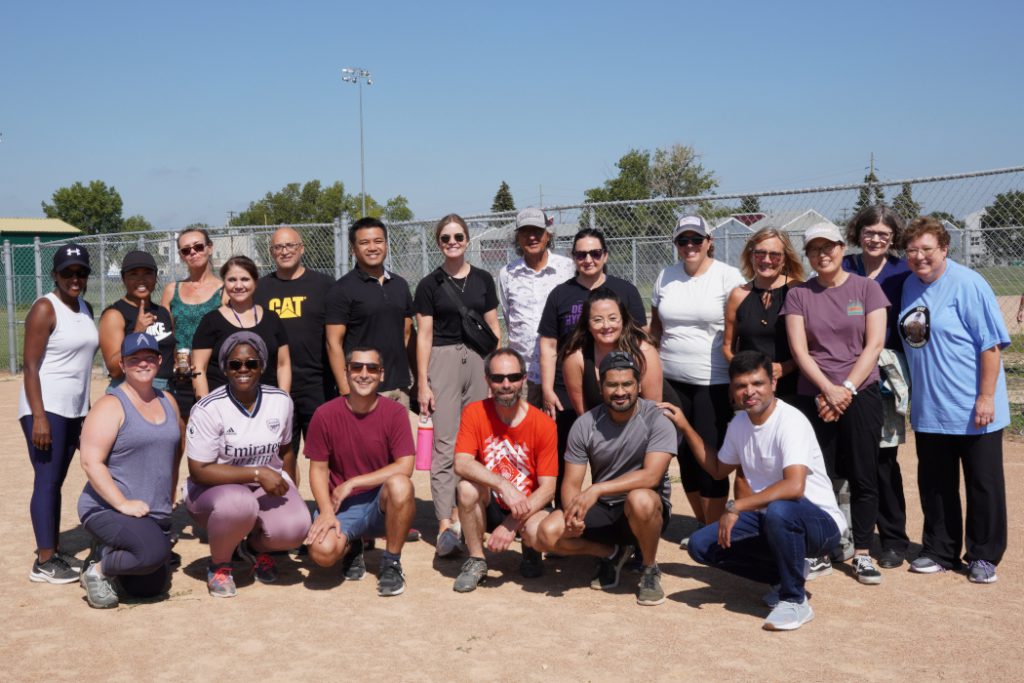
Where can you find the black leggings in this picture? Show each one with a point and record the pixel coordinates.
(135, 549)
(709, 410)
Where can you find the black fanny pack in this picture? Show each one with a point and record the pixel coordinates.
(475, 331)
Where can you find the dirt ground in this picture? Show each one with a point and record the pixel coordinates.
(313, 626)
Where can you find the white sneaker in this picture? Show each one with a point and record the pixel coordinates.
(789, 616)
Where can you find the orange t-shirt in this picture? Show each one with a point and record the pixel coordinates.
(520, 454)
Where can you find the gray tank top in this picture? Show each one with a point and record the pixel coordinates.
(141, 461)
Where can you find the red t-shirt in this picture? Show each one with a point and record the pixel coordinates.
(358, 444)
(520, 454)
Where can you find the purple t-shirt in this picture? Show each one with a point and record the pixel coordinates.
(835, 322)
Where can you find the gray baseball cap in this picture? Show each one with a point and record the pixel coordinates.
(692, 224)
(824, 229)
(532, 217)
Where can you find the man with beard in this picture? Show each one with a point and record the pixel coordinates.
(628, 443)
(506, 456)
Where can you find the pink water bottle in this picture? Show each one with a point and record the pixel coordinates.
(424, 443)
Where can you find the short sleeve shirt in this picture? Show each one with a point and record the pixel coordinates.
(891, 278)
(354, 444)
(214, 329)
(221, 431)
(614, 449)
(476, 291)
(835, 324)
(692, 313)
(945, 325)
(374, 315)
(521, 454)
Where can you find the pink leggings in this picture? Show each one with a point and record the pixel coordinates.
(230, 512)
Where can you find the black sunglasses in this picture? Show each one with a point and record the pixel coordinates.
(249, 363)
(198, 247)
(513, 378)
(68, 273)
(689, 241)
(593, 253)
(458, 237)
(356, 366)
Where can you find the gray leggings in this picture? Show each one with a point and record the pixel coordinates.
(230, 512)
(456, 376)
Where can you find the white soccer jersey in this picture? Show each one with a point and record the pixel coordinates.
(220, 430)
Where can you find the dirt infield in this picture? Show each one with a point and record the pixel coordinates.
(312, 626)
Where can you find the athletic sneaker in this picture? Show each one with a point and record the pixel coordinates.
(684, 544)
(980, 571)
(448, 542)
(789, 616)
(413, 536)
(474, 570)
(772, 599)
(391, 580)
(608, 569)
(926, 565)
(353, 565)
(531, 566)
(650, 592)
(263, 566)
(865, 569)
(98, 591)
(54, 570)
(71, 561)
(219, 580)
(817, 567)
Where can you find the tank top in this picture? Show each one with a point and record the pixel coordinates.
(66, 371)
(187, 316)
(592, 388)
(762, 329)
(141, 462)
(162, 330)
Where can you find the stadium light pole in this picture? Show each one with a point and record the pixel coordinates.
(357, 75)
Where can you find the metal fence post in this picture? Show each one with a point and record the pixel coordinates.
(103, 272)
(338, 246)
(965, 246)
(36, 252)
(423, 250)
(142, 243)
(633, 249)
(344, 247)
(12, 344)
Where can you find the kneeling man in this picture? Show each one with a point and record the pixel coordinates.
(792, 512)
(361, 457)
(506, 454)
(628, 443)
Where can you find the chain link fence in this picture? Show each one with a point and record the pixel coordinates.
(984, 213)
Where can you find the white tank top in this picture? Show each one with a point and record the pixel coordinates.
(66, 370)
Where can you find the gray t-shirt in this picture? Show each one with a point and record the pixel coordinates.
(614, 449)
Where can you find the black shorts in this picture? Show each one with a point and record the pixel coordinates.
(494, 515)
(607, 523)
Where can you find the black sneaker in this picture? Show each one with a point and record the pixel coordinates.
(890, 558)
(353, 565)
(865, 569)
(608, 570)
(816, 567)
(531, 566)
(54, 570)
(70, 560)
(391, 580)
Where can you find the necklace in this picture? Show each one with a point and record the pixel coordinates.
(255, 316)
(465, 281)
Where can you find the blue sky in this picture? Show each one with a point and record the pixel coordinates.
(193, 109)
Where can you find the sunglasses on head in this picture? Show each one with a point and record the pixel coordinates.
(69, 273)
(356, 366)
(249, 363)
(593, 253)
(458, 237)
(689, 241)
(198, 247)
(512, 377)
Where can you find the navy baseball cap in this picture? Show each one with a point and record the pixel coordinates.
(139, 341)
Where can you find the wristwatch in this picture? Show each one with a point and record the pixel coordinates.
(730, 506)
(850, 386)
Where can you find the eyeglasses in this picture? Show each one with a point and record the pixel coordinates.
(825, 250)
(68, 273)
(458, 237)
(356, 367)
(689, 241)
(921, 251)
(597, 321)
(198, 247)
(773, 256)
(249, 363)
(878, 236)
(287, 246)
(512, 378)
(595, 254)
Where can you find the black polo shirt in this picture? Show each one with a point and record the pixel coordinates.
(374, 315)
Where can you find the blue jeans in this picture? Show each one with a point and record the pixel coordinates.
(770, 545)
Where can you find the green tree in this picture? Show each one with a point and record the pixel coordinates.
(904, 204)
(1002, 225)
(870, 193)
(94, 208)
(137, 223)
(503, 200)
(397, 210)
(750, 204)
(313, 203)
(946, 216)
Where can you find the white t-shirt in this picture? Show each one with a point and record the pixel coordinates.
(785, 439)
(692, 312)
(221, 431)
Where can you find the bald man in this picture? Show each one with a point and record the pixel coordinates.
(298, 296)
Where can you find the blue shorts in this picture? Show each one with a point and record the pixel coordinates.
(360, 515)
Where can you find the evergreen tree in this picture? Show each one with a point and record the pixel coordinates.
(750, 204)
(904, 203)
(503, 199)
(870, 194)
